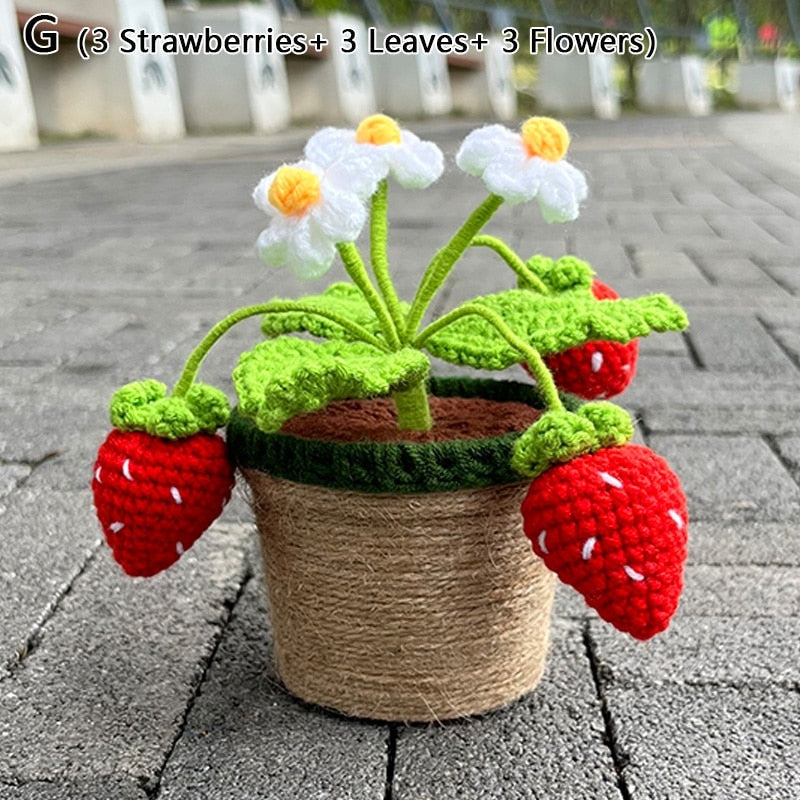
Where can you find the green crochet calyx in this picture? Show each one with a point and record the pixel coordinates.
(559, 436)
(144, 406)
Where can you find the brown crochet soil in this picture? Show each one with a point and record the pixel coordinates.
(375, 421)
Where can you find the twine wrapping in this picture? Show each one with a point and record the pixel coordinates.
(411, 607)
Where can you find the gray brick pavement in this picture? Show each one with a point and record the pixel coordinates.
(116, 258)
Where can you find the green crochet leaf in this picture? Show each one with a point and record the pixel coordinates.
(551, 324)
(568, 272)
(342, 299)
(281, 378)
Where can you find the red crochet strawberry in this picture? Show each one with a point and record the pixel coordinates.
(613, 524)
(154, 497)
(595, 369)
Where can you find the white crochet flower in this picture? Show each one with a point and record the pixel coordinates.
(313, 209)
(526, 165)
(413, 163)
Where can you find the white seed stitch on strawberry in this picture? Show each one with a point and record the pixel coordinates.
(126, 469)
(116, 527)
(542, 545)
(597, 361)
(588, 546)
(176, 495)
(632, 573)
(677, 518)
(611, 480)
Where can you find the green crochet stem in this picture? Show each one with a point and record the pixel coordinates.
(379, 236)
(413, 408)
(196, 357)
(530, 278)
(358, 274)
(445, 260)
(538, 368)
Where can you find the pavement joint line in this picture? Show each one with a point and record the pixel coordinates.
(694, 354)
(630, 252)
(691, 255)
(34, 637)
(619, 758)
(154, 789)
(737, 685)
(771, 440)
(785, 350)
(391, 759)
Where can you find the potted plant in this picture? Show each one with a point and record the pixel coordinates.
(412, 527)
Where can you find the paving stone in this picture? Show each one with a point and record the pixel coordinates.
(707, 742)
(31, 319)
(781, 197)
(17, 291)
(11, 475)
(43, 427)
(608, 259)
(47, 539)
(632, 220)
(677, 266)
(701, 299)
(660, 196)
(684, 223)
(786, 276)
(721, 420)
(535, 748)
(742, 591)
(699, 198)
(736, 342)
(280, 746)
(730, 477)
(701, 651)
(789, 450)
(735, 227)
(733, 270)
(90, 789)
(570, 605)
(672, 343)
(717, 393)
(58, 342)
(104, 694)
(789, 341)
(784, 229)
(754, 542)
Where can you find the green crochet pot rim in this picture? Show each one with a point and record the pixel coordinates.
(391, 467)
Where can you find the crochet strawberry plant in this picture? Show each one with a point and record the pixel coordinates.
(607, 516)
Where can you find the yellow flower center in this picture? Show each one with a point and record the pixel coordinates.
(378, 129)
(294, 191)
(546, 138)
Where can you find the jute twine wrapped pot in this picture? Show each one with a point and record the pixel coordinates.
(400, 584)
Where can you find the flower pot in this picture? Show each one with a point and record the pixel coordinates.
(400, 583)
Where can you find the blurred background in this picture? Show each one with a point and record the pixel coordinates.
(710, 55)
